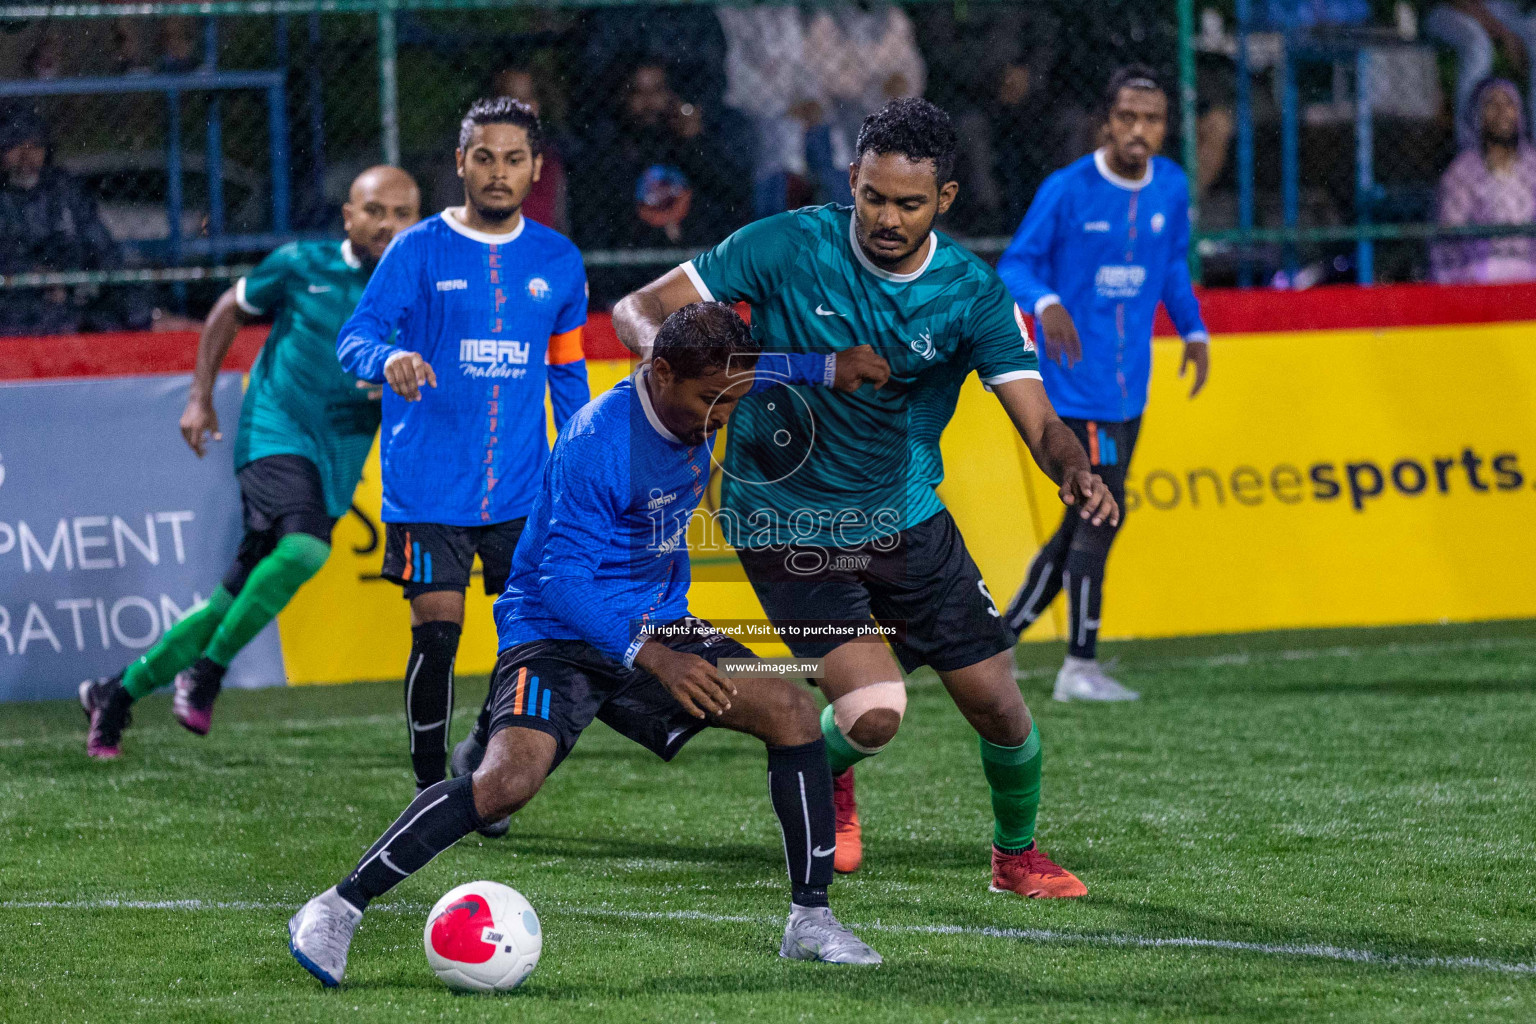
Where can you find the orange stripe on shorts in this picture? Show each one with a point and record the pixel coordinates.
(1093, 443)
(406, 575)
(517, 696)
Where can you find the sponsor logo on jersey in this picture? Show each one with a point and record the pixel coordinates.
(1158, 220)
(1119, 280)
(826, 312)
(1023, 322)
(456, 284)
(923, 345)
(1096, 225)
(493, 357)
(658, 499)
(538, 289)
(319, 289)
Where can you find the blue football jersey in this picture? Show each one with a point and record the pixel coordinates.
(1109, 249)
(499, 318)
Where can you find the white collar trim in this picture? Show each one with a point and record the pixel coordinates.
(1130, 184)
(644, 392)
(886, 275)
(451, 218)
(348, 256)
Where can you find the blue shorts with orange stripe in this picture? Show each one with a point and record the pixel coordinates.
(559, 686)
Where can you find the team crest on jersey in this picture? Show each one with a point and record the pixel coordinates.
(1158, 220)
(1023, 322)
(538, 288)
(923, 345)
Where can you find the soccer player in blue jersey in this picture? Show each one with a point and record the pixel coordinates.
(1105, 240)
(595, 624)
(470, 316)
(829, 499)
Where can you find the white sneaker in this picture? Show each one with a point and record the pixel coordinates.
(320, 934)
(812, 933)
(1083, 679)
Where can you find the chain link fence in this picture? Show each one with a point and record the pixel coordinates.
(152, 152)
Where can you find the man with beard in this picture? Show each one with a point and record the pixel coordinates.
(471, 315)
(305, 431)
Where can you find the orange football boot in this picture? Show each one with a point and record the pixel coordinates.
(850, 841)
(1032, 874)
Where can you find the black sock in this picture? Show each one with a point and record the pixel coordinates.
(440, 816)
(800, 786)
(429, 698)
(1042, 581)
(207, 678)
(483, 723)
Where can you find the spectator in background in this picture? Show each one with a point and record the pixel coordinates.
(651, 175)
(546, 202)
(49, 223)
(767, 80)
(1492, 183)
(862, 54)
(1477, 30)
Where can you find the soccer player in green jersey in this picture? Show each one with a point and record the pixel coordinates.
(306, 428)
(829, 498)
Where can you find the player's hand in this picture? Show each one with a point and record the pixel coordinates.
(374, 391)
(857, 365)
(1198, 355)
(1083, 489)
(1061, 342)
(693, 682)
(407, 373)
(198, 422)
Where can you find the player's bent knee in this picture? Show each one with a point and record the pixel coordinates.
(782, 714)
(869, 717)
(500, 792)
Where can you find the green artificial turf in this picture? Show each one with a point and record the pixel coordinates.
(1369, 796)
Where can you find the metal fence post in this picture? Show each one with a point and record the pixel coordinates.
(1187, 125)
(389, 83)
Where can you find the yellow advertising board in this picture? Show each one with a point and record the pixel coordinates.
(1326, 478)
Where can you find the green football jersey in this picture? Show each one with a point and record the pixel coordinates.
(300, 401)
(815, 466)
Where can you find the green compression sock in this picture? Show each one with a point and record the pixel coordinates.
(271, 585)
(178, 648)
(841, 754)
(1013, 773)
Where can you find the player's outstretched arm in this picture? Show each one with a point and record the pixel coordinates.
(199, 421)
(639, 315)
(1056, 450)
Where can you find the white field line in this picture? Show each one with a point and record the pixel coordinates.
(1121, 940)
(1241, 659)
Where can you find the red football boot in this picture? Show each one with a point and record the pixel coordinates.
(1032, 874)
(850, 841)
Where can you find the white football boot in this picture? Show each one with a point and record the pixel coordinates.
(1085, 679)
(320, 934)
(812, 933)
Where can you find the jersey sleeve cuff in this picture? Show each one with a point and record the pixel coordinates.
(243, 302)
(829, 375)
(1046, 301)
(634, 647)
(699, 286)
(1003, 378)
(1197, 337)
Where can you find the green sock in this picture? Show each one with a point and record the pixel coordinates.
(840, 753)
(178, 648)
(1013, 773)
(271, 585)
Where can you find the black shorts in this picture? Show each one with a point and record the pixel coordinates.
(1109, 447)
(559, 686)
(923, 585)
(280, 494)
(423, 557)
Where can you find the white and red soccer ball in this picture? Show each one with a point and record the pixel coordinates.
(483, 937)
